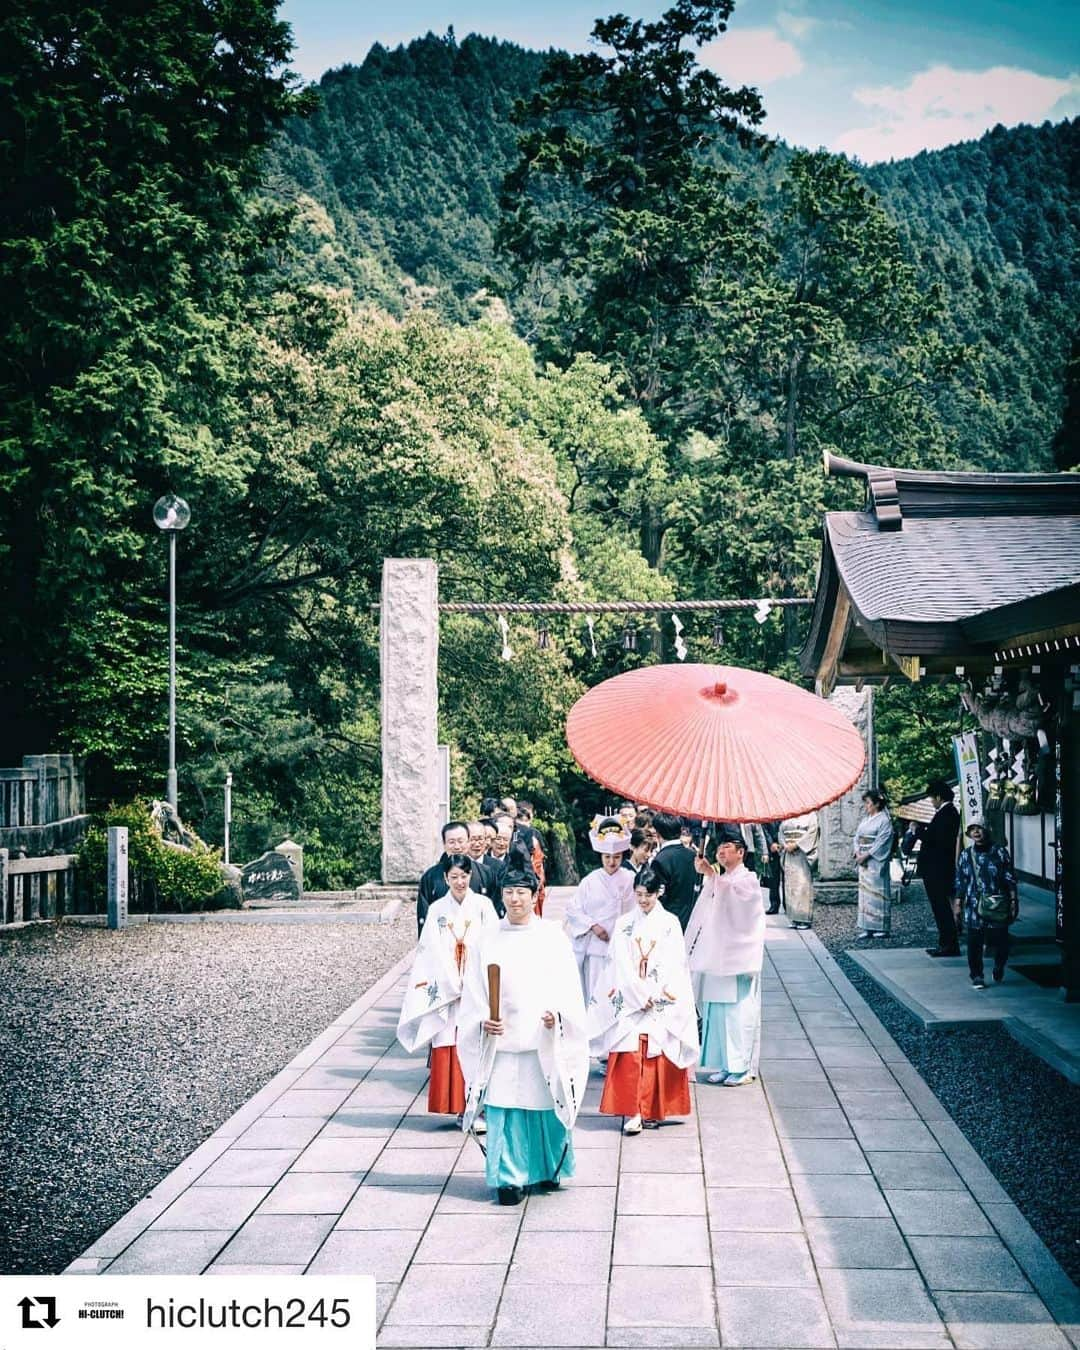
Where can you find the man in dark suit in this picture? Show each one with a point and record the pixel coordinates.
(937, 863)
(673, 863)
(455, 837)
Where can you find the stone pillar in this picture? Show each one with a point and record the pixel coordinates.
(409, 667)
(839, 819)
(295, 854)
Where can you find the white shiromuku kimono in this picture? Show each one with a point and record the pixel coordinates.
(647, 963)
(449, 945)
(797, 868)
(725, 945)
(599, 899)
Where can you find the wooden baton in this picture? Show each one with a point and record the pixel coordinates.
(494, 982)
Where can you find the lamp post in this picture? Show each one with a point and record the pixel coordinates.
(171, 514)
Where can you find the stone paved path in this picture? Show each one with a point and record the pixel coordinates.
(832, 1204)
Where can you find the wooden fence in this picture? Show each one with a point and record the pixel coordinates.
(37, 888)
(42, 790)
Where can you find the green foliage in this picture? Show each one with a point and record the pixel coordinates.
(160, 877)
(914, 725)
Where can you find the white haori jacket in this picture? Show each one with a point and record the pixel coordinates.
(647, 991)
(599, 899)
(726, 933)
(530, 1066)
(449, 944)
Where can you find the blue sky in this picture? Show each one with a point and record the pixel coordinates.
(874, 79)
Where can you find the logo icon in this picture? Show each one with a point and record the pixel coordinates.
(40, 1319)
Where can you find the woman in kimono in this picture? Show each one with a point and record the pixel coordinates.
(449, 944)
(872, 847)
(527, 1067)
(646, 1021)
(605, 894)
(725, 946)
(798, 854)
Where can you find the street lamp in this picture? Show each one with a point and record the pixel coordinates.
(171, 514)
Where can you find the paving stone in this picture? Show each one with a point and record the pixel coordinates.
(877, 1106)
(527, 1320)
(470, 1239)
(293, 1132)
(791, 1071)
(801, 1094)
(670, 1155)
(325, 1077)
(338, 1155)
(218, 1268)
(586, 1209)
(823, 1195)
(383, 1253)
(431, 1338)
(938, 1214)
(685, 1243)
(914, 1171)
(560, 1258)
(413, 1166)
(834, 1036)
(393, 1207)
(848, 1056)
(277, 1239)
(853, 1078)
(858, 1244)
(905, 1136)
(767, 1260)
(824, 1155)
(426, 1298)
(675, 1194)
(968, 1264)
(1000, 1322)
(686, 1338)
(351, 1056)
(744, 1166)
(362, 1122)
(668, 1296)
(384, 1092)
(764, 1210)
(248, 1167)
(978, 1178)
(465, 1195)
(170, 1253)
(311, 1193)
(1040, 1267)
(211, 1207)
(882, 1308)
(809, 1123)
(428, 1132)
(758, 1318)
(308, 1102)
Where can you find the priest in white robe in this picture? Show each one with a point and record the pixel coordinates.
(725, 946)
(449, 944)
(645, 1020)
(599, 901)
(527, 1067)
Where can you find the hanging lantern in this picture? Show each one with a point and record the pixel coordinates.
(629, 640)
(543, 638)
(718, 634)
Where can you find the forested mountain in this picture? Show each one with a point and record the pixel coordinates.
(398, 176)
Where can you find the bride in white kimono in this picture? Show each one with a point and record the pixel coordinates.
(599, 901)
(449, 945)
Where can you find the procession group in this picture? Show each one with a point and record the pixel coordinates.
(655, 972)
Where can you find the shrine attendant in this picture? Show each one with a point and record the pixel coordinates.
(646, 1020)
(527, 1068)
(725, 945)
(605, 894)
(449, 944)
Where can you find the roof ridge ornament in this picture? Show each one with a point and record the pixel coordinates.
(882, 492)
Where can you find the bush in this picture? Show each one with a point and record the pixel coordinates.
(160, 877)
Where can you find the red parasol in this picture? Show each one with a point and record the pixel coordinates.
(715, 743)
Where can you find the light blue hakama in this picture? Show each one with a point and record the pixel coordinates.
(525, 1147)
(731, 1028)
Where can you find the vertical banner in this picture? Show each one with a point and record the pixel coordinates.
(966, 755)
(117, 910)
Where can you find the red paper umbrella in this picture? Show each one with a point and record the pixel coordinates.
(714, 742)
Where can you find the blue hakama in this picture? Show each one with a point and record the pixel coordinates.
(525, 1147)
(731, 1027)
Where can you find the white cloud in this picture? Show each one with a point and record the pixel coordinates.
(942, 105)
(752, 56)
(796, 25)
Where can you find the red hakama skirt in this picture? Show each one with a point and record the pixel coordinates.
(446, 1086)
(637, 1085)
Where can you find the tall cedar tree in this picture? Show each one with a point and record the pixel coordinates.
(130, 136)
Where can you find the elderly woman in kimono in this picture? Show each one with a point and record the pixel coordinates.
(872, 848)
(646, 1021)
(798, 854)
(725, 947)
(526, 1061)
(449, 945)
(605, 894)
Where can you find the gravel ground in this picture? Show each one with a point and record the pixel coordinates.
(122, 1052)
(1021, 1116)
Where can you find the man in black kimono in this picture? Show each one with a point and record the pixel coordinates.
(937, 863)
(674, 865)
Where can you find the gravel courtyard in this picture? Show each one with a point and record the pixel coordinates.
(122, 1051)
